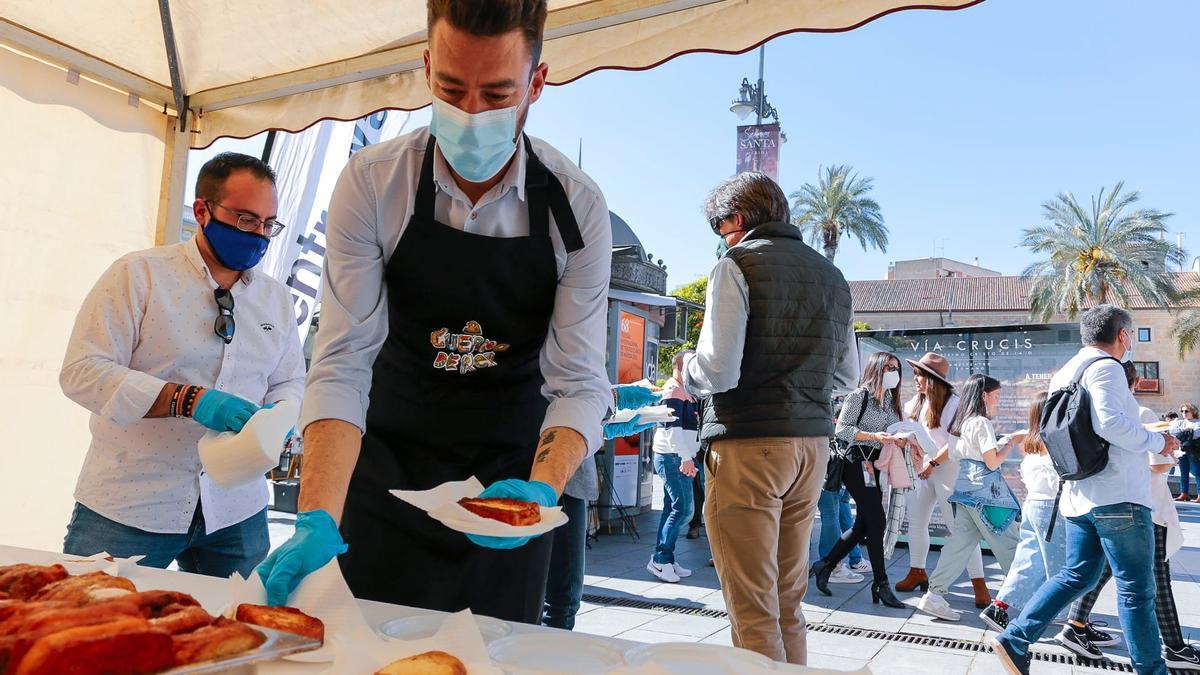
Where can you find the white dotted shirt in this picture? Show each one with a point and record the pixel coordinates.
(149, 321)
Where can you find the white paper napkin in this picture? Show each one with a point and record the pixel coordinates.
(101, 562)
(233, 459)
(351, 645)
(646, 414)
(441, 503)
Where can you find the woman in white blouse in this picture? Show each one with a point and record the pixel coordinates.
(934, 407)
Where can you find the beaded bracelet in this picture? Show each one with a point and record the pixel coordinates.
(189, 400)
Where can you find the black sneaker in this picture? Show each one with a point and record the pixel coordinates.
(1076, 640)
(1014, 663)
(1184, 658)
(1098, 637)
(996, 617)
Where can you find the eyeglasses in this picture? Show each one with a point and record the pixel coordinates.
(891, 369)
(270, 228)
(715, 224)
(224, 325)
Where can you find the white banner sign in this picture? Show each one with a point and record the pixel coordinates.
(307, 166)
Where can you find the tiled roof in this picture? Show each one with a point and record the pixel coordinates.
(966, 294)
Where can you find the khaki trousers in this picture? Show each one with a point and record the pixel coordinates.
(760, 498)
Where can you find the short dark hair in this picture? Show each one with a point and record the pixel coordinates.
(488, 18)
(752, 194)
(1131, 374)
(210, 184)
(1102, 324)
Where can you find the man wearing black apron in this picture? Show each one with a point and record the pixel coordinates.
(465, 300)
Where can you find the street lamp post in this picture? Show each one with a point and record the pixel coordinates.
(753, 98)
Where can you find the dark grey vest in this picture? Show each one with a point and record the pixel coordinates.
(800, 312)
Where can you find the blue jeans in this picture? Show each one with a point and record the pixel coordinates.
(677, 505)
(1123, 534)
(1036, 560)
(237, 548)
(564, 584)
(1188, 464)
(834, 508)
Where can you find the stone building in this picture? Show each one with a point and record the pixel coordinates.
(1004, 301)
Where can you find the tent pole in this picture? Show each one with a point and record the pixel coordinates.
(181, 102)
(170, 191)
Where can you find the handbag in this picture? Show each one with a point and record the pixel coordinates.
(838, 452)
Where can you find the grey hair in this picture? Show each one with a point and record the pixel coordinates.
(681, 355)
(1102, 324)
(752, 194)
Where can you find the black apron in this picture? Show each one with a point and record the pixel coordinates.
(456, 392)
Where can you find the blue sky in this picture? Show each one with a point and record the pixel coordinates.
(966, 120)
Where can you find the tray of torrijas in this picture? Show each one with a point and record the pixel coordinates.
(52, 621)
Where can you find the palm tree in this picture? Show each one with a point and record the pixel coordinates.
(1187, 324)
(837, 206)
(1100, 255)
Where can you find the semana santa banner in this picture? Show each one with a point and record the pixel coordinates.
(758, 149)
(307, 165)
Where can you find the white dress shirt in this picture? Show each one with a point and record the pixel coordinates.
(716, 366)
(149, 321)
(371, 205)
(1115, 417)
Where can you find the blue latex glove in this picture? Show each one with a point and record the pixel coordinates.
(634, 396)
(314, 544)
(220, 411)
(621, 429)
(512, 488)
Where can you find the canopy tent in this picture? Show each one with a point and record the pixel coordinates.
(101, 101)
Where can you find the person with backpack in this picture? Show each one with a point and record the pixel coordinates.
(984, 506)
(1036, 559)
(1092, 430)
(1080, 636)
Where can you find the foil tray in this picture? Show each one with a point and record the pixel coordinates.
(278, 645)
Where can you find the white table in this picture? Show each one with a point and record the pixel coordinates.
(212, 594)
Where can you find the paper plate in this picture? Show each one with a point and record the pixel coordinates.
(560, 652)
(426, 625)
(690, 658)
(457, 518)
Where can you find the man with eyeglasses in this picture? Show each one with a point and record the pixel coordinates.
(170, 342)
(777, 342)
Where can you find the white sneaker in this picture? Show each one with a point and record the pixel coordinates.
(862, 566)
(843, 575)
(681, 571)
(664, 572)
(935, 605)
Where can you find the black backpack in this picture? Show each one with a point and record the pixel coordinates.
(1075, 449)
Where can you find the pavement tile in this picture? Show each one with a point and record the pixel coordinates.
(685, 624)
(651, 637)
(836, 662)
(721, 637)
(895, 659)
(610, 622)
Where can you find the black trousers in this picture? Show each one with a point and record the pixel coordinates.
(698, 491)
(870, 522)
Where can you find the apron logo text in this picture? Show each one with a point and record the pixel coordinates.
(466, 351)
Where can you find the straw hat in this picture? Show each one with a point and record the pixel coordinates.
(933, 365)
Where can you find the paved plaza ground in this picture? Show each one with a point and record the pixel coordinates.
(846, 632)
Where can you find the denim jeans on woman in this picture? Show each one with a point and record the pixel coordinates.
(1189, 465)
(1036, 559)
(564, 584)
(677, 505)
(1122, 534)
(836, 518)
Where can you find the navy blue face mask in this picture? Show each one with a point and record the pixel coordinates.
(234, 248)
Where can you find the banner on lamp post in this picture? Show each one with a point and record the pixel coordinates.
(758, 149)
(307, 166)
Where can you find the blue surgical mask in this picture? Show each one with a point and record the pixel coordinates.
(722, 246)
(1129, 352)
(234, 248)
(476, 145)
